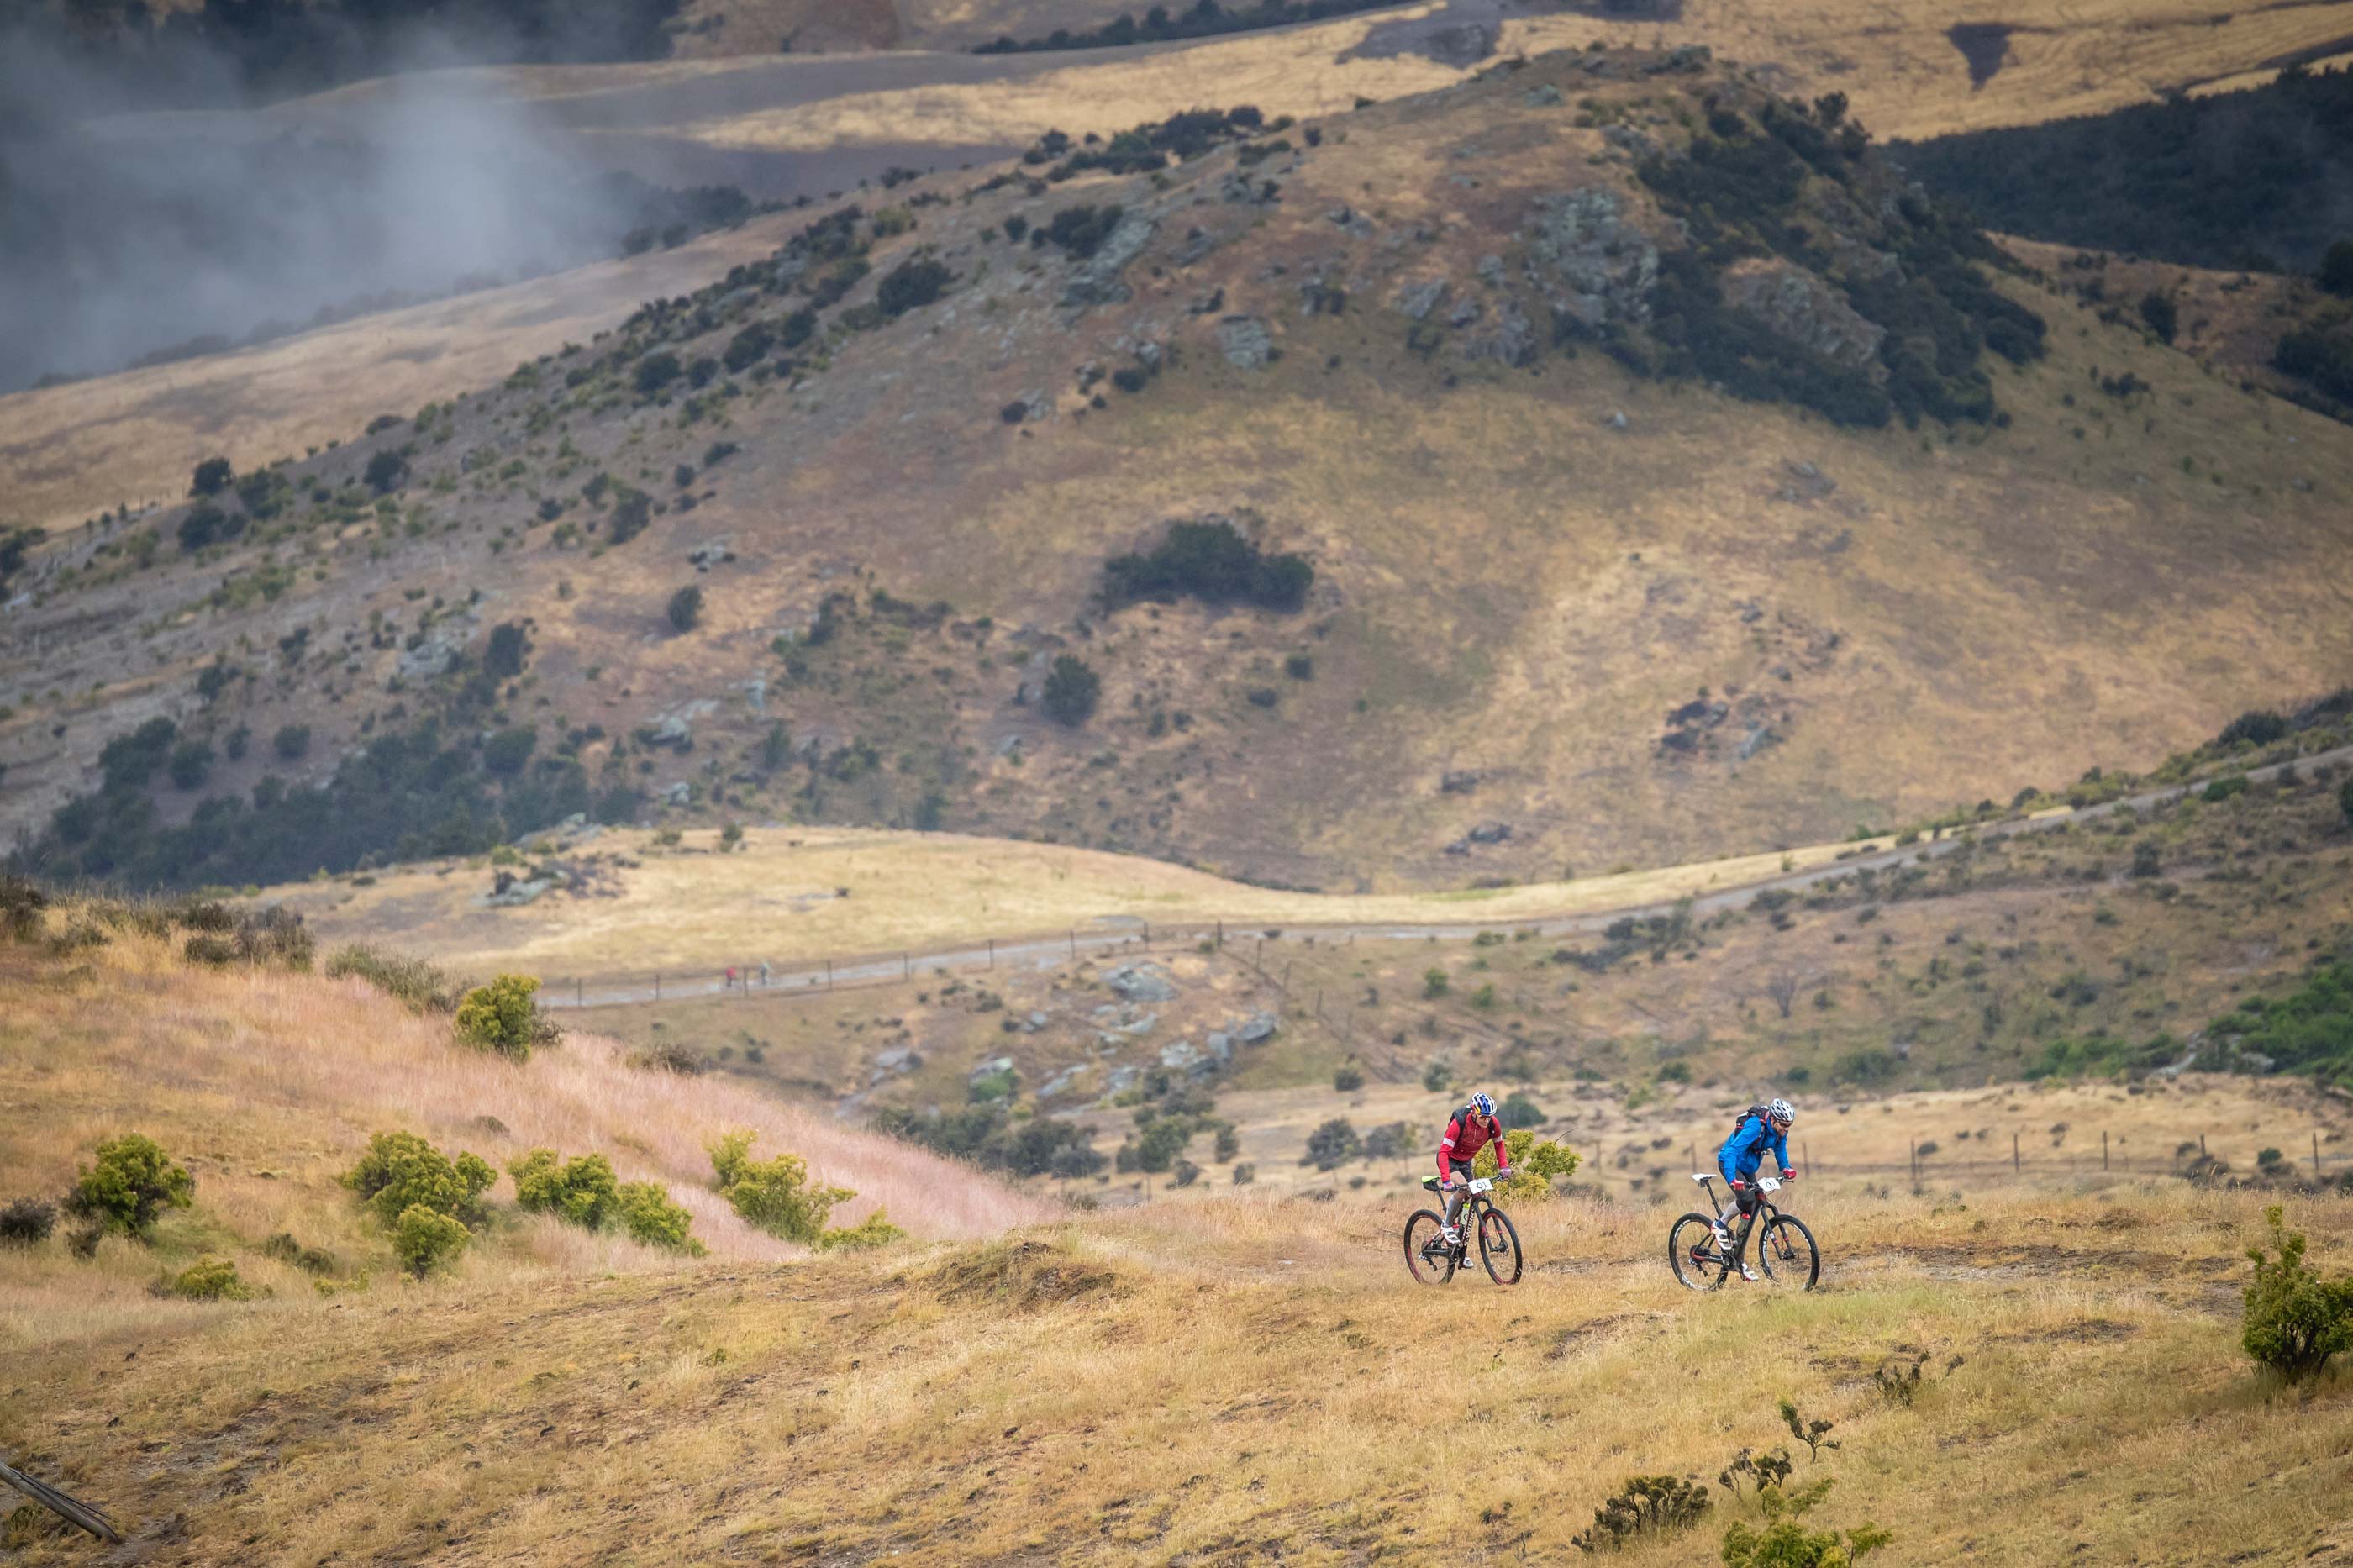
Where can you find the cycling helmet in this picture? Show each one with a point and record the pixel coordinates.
(1483, 1103)
(1781, 1112)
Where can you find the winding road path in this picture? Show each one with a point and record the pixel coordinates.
(1028, 950)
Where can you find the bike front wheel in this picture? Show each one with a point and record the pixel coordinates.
(1499, 1247)
(1785, 1251)
(1692, 1252)
(1427, 1256)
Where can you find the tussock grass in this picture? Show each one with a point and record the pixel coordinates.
(268, 1084)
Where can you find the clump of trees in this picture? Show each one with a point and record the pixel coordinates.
(1212, 560)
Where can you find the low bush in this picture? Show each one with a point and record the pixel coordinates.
(1212, 560)
(911, 285)
(423, 1239)
(874, 1230)
(685, 608)
(1071, 691)
(582, 1191)
(1332, 1145)
(773, 1195)
(206, 1279)
(412, 981)
(987, 1134)
(1518, 1111)
(401, 1171)
(1643, 1507)
(27, 1222)
(1786, 1542)
(2294, 1320)
(505, 1017)
(309, 1259)
(652, 1219)
(1348, 1080)
(132, 1182)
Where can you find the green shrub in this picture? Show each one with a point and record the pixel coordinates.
(1071, 691)
(773, 1195)
(211, 477)
(27, 1222)
(386, 471)
(2345, 801)
(206, 1279)
(1214, 562)
(2159, 312)
(2294, 1321)
(582, 1190)
(657, 371)
(1332, 1145)
(911, 285)
(2256, 727)
(412, 981)
(503, 1016)
(1434, 983)
(424, 1239)
(1080, 230)
(1786, 1542)
(213, 952)
(651, 1219)
(1438, 1075)
(685, 608)
(1518, 1111)
(401, 1170)
(291, 741)
(874, 1230)
(988, 1135)
(1644, 1506)
(1349, 1078)
(286, 1250)
(132, 1181)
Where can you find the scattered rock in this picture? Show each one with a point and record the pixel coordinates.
(1179, 1056)
(1490, 833)
(898, 1062)
(1097, 280)
(1594, 265)
(1801, 307)
(1460, 781)
(989, 1069)
(1615, 419)
(1221, 1044)
(1420, 299)
(1543, 94)
(1259, 1029)
(1514, 341)
(1465, 312)
(709, 553)
(1245, 342)
(1491, 271)
(1141, 983)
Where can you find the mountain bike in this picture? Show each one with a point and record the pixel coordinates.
(1785, 1247)
(1431, 1259)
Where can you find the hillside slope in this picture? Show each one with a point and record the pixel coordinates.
(1247, 1382)
(1459, 353)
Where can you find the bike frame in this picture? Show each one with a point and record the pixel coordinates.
(1474, 1210)
(1765, 1187)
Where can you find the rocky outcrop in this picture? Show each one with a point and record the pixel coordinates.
(1097, 280)
(1803, 309)
(1245, 342)
(1593, 265)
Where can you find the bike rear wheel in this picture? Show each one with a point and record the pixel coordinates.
(1785, 1251)
(1692, 1252)
(1499, 1247)
(1427, 1256)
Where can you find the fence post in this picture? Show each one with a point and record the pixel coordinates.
(906, 967)
(657, 985)
(829, 974)
(2201, 1145)
(1147, 933)
(1075, 944)
(992, 952)
(2013, 1155)
(2315, 1153)
(576, 991)
(1805, 1154)
(1221, 934)
(1915, 1162)
(1692, 1152)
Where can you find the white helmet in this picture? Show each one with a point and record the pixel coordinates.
(1781, 1112)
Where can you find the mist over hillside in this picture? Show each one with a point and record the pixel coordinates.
(129, 234)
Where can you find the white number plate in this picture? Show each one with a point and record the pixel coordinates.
(1481, 1185)
(1768, 1184)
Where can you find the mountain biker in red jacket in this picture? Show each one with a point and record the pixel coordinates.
(1470, 1129)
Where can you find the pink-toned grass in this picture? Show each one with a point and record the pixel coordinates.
(269, 1084)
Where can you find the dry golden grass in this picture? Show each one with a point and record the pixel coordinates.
(1225, 1384)
(69, 452)
(268, 1085)
(780, 897)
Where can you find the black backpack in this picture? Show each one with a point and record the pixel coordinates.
(1760, 1110)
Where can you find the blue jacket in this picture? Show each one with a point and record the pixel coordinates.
(1745, 1150)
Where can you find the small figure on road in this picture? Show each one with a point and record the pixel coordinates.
(730, 985)
(763, 971)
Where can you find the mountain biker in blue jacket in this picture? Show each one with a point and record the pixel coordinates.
(1741, 1155)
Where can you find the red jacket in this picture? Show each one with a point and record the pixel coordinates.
(1466, 1134)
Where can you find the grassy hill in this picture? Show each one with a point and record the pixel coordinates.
(1721, 625)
